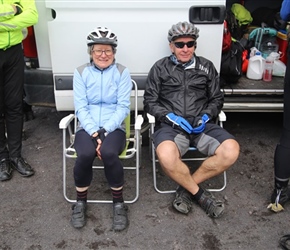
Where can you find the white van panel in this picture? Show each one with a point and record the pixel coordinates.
(41, 31)
(141, 27)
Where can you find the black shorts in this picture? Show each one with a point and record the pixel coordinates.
(206, 142)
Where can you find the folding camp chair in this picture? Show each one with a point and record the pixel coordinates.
(220, 120)
(69, 123)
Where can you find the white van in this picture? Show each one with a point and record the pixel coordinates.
(141, 27)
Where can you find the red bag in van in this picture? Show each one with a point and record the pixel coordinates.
(227, 38)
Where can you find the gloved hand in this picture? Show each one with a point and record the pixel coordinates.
(101, 135)
(179, 121)
(19, 8)
(199, 123)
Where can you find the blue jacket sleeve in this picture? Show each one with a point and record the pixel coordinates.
(81, 104)
(285, 10)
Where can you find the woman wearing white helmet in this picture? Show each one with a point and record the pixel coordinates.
(102, 102)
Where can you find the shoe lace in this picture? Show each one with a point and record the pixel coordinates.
(185, 195)
(24, 163)
(121, 209)
(210, 205)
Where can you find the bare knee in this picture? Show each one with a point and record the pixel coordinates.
(168, 155)
(229, 151)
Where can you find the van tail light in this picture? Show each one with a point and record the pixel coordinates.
(29, 49)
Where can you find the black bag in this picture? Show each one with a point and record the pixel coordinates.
(231, 64)
(233, 26)
(237, 31)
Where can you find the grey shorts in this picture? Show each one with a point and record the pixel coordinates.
(206, 142)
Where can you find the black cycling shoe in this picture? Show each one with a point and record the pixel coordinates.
(210, 205)
(5, 170)
(183, 200)
(78, 219)
(120, 217)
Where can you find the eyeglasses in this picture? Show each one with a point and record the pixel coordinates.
(99, 52)
(180, 45)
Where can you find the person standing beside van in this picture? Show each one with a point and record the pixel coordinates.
(14, 17)
(281, 193)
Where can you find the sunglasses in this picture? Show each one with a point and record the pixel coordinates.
(180, 45)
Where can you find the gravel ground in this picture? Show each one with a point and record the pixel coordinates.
(34, 214)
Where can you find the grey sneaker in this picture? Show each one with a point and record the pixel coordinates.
(278, 199)
(78, 219)
(182, 202)
(210, 205)
(120, 217)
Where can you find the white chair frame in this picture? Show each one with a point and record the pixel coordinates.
(67, 123)
(220, 120)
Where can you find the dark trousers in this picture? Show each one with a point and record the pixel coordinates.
(11, 97)
(112, 146)
(282, 153)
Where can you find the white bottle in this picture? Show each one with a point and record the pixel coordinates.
(255, 67)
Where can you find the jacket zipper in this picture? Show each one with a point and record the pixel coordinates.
(185, 88)
(101, 97)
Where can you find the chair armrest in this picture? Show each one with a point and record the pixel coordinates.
(63, 124)
(151, 118)
(222, 116)
(138, 122)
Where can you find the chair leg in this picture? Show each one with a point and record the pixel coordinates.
(155, 176)
(223, 187)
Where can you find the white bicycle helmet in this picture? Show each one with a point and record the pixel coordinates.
(102, 35)
(182, 29)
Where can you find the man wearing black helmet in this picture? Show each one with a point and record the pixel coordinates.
(102, 102)
(183, 94)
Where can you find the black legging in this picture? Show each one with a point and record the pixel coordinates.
(112, 146)
(11, 96)
(282, 153)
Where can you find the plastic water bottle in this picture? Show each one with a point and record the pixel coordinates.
(268, 69)
(255, 67)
